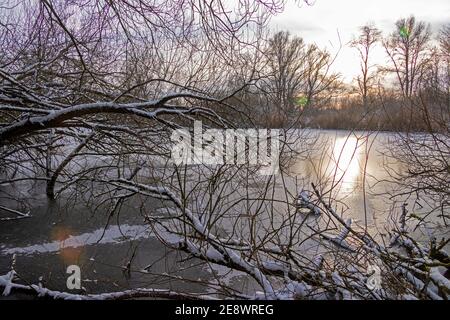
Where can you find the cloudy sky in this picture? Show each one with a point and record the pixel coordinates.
(324, 19)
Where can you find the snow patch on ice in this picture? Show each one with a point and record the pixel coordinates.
(113, 234)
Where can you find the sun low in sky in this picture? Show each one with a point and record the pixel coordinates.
(333, 23)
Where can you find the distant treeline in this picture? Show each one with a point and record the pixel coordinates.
(410, 92)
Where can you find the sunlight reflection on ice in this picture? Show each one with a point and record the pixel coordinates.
(345, 162)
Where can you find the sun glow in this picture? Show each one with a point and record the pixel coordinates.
(345, 162)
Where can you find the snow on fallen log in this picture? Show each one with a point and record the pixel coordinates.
(418, 284)
(440, 281)
(7, 281)
(339, 240)
(40, 291)
(304, 201)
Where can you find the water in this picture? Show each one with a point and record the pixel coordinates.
(347, 166)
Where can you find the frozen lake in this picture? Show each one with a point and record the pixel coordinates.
(349, 166)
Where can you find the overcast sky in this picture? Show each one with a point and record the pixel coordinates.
(321, 22)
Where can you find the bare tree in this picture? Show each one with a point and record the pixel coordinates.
(297, 76)
(285, 58)
(368, 37)
(407, 49)
(322, 84)
(435, 80)
(426, 156)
